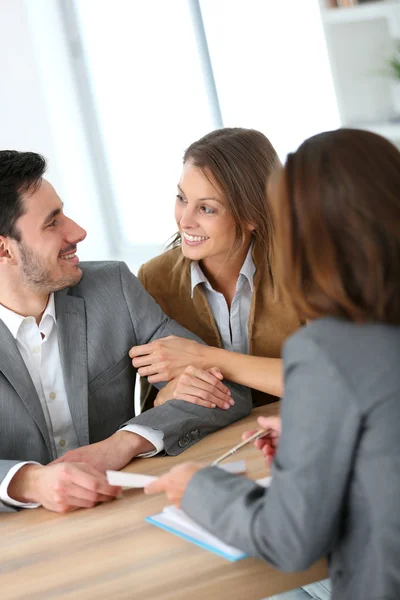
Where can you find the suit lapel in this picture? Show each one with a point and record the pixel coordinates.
(71, 325)
(14, 369)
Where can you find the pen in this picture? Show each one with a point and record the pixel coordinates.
(255, 436)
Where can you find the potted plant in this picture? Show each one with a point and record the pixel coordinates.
(393, 65)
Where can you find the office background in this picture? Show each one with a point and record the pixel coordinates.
(112, 92)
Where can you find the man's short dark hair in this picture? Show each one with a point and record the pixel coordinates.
(19, 172)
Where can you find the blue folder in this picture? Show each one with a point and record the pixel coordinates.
(227, 552)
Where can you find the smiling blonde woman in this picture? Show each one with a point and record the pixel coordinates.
(216, 279)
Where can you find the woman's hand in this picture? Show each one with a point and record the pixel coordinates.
(269, 443)
(166, 358)
(175, 482)
(198, 387)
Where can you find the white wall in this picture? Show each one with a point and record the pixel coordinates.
(272, 69)
(39, 110)
(271, 73)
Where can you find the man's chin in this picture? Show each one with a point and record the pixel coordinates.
(68, 281)
(76, 276)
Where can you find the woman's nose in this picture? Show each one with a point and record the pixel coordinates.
(188, 219)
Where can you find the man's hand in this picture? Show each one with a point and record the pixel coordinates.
(112, 453)
(175, 482)
(198, 387)
(61, 488)
(166, 358)
(269, 443)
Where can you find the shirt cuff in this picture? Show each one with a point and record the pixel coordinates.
(4, 497)
(154, 436)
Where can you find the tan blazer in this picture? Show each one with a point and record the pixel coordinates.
(167, 278)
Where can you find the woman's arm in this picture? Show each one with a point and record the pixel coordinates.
(297, 520)
(258, 372)
(166, 358)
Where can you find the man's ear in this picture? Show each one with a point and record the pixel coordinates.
(7, 254)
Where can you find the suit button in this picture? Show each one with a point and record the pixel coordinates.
(195, 433)
(183, 442)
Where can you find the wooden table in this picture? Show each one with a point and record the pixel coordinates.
(111, 552)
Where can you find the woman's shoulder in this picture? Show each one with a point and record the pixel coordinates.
(351, 346)
(325, 334)
(165, 270)
(165, 259)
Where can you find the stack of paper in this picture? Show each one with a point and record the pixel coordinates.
(175, 521)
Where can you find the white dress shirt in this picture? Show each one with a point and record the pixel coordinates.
(232, 324)
(38, 346)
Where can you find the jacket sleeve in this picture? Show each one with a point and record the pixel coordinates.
(182, 423)
(148, 392)
(292, 523)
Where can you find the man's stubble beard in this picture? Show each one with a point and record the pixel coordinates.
(35, 276)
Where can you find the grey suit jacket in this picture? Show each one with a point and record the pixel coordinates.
(98, 321)
(336, 477)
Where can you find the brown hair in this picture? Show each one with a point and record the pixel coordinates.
(337, 203)
(240, 161)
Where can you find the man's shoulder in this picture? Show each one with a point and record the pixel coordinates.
(101, 274)
(101, 269)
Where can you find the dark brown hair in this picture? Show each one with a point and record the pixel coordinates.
(337, 207)
(20, 172)
(240, 161)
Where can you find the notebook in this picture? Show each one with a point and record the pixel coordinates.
(174, 520)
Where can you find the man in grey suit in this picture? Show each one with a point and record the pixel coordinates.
(66, 380)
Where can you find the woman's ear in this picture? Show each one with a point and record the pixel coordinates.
(250, 227)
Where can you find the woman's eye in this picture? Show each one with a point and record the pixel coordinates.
(180, 198)
(207, 210)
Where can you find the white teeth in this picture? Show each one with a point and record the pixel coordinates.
(68, 256)
(194, 238)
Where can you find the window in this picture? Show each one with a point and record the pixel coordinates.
(148, 84)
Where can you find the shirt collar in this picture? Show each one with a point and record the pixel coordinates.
(13, 320)
(196, 275)
(248, 269)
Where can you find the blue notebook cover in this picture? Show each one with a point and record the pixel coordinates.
(176, 522)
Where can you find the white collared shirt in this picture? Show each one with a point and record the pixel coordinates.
(38, 346)
(232, 324)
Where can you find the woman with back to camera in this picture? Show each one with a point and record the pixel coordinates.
(217, 279)
(336, 470)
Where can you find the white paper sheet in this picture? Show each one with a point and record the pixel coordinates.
(265, 481)
(137, 480)
(132, 480)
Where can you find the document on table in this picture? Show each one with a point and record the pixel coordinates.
(137, 480)
(129, 480)
(175, 521)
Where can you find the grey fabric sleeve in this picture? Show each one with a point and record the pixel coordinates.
(182, 423)
(292, 523)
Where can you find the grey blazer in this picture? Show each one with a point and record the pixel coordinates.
(336, 477)
(98, 321)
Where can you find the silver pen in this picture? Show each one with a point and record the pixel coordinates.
(255, 436)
